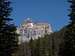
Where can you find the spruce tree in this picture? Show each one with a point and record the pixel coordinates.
(69, 35)
(72, 14)
(8, 35)
(31, 47)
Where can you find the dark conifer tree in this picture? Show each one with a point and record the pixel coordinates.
(8, 35)
(69, 35)
(31, 47)
(72, 14)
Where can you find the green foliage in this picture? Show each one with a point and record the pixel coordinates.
(40, 47)
(68, 47)
(8, 35)
(72, 13)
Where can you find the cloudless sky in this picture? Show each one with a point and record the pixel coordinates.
(52, 11)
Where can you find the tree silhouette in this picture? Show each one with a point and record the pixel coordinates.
(8, 35)
(69, 35)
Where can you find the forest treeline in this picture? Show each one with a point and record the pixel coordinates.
(44, 46)
(60, 43)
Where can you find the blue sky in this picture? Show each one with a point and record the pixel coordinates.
(52, 11)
